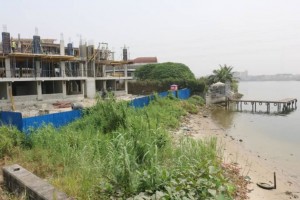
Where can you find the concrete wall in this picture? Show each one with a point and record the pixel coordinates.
(26, 98)
(20, 181)
(74, 97)
(209, 99)
(120, 93)
(53, 96)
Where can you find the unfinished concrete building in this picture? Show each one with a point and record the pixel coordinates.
(39, 69)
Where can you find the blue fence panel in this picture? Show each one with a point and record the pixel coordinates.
(140, 102)
(56, 119)
(184, 94)
(11, 118)
(144, 101)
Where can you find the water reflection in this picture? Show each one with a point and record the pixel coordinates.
(223, 117)
(226, 117)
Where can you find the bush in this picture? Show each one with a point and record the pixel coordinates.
(163, 71)
(147, 87)
(196, 100)
(10, 137)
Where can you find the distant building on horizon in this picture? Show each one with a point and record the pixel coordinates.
(241, 75)
(244, 76)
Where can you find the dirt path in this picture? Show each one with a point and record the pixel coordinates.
(259, 169)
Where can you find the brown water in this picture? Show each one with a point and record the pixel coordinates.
(272, 136)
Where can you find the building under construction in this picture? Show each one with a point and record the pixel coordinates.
(38, 69)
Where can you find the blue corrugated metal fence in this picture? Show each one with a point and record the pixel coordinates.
(11, 118)
(56, 119)
(63, 118)
(25, 124)
(184, 94)
(144, 101)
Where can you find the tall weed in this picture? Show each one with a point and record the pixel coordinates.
(116, 151)
(10, 137)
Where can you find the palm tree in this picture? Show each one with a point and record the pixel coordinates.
(223, 74)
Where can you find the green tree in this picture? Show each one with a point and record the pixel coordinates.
(223, 74)
(162, 71)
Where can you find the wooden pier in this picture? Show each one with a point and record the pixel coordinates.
(282, 105)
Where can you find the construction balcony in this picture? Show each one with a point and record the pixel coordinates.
(21, 73)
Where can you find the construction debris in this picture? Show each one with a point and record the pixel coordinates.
(62, 104)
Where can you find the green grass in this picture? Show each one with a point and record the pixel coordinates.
(116, 151)
(10, 138)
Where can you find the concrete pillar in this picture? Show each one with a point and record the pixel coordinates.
(9, 91)
(126, 86)
(62, 47)
(104, 84)
(83, 87)
(94, 68)
(81, 69)
(104, 70)
(85, 69)
(62, 69)
(125, 70)
(38, 68)
(7, 68)
(64, 89)
(90, 88)
(126, 81)
(39, 90)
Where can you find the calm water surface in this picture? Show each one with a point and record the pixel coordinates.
(272, 136)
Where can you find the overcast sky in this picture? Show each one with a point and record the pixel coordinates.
(261, 36)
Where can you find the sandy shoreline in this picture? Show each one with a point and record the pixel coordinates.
(257, 167)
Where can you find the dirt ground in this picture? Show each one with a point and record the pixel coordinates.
(36, 108)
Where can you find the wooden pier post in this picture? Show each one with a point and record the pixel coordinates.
(284, 108)
(268, 107)
(227, 103)
(278, 107)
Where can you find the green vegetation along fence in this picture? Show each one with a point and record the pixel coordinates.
(144, 101)
(25, 124)
(64, 118)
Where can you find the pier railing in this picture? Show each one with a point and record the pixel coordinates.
(282, 105)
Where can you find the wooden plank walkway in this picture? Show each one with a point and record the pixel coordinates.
(282, 105)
